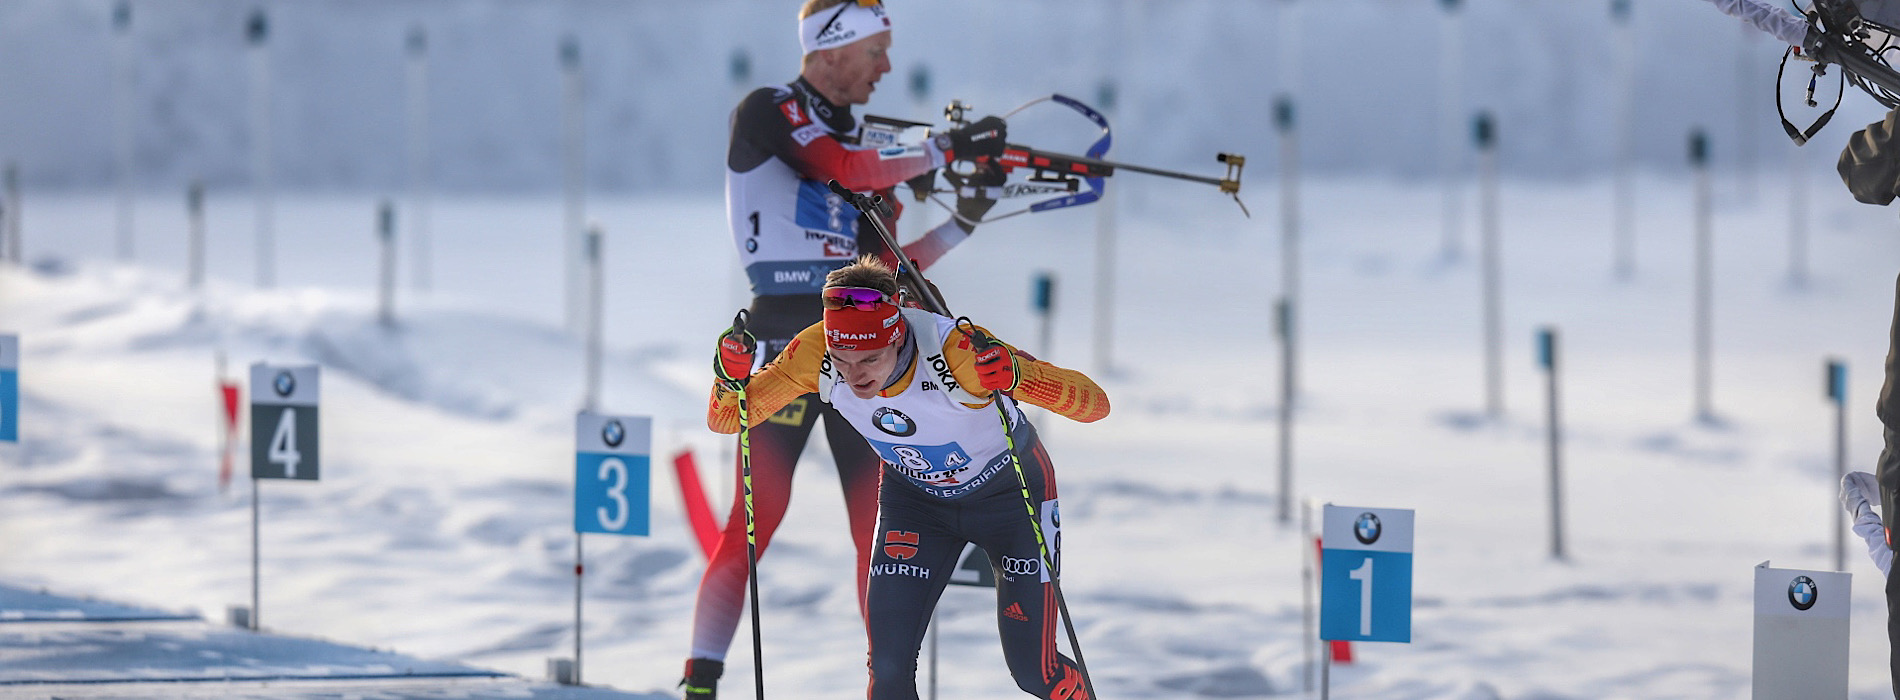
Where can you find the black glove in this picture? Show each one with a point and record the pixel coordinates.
(972, 201)
(1870, 164)
(983, 139)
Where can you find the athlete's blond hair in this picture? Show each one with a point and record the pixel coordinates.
(813, 7)
(867, 271)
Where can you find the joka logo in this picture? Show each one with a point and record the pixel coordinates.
(1802, 593)
(894, 422)
(284, 384)
(1015, 612)
(899, 544)
(613, 433)
(1367, 528)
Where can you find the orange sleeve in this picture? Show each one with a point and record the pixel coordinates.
(1064, 391)
(792, 374)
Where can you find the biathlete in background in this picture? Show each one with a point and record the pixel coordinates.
(787, 141)
(919, 388)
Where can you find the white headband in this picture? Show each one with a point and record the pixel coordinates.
(830, 29)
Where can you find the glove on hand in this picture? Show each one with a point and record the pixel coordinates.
(1868, 165)
(737, 351)
(983, 139)
(995, 364)
(972, 202)
(1858, 489)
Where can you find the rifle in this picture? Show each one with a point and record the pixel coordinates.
(1852, 34)
(1049, 172)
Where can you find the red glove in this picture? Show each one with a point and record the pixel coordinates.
(737, 351)
(995, 364)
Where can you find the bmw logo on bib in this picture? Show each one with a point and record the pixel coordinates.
(284, 384)
(894, 422)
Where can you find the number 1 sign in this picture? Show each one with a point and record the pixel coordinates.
(283, 422)
(1366, 575)
(612, 456)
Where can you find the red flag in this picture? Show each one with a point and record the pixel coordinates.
(229, 391)
(693, 495)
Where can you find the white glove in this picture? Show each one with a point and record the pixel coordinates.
(1857, 491)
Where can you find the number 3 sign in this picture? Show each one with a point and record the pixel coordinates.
(611, 463)
(1366, 575)
(283, 422)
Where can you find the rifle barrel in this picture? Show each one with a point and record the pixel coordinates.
(1112, 165)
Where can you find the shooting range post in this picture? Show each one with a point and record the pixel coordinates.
(1366, 574)
(1800, 633)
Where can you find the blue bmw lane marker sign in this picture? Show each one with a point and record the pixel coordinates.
(9, 388)
(612, 467)
(1366, 574)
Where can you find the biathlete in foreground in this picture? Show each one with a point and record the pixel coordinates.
(918, 387)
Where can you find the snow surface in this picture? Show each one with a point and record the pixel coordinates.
(441, 525)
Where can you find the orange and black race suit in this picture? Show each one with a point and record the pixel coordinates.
(950, 477)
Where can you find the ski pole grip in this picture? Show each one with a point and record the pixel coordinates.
(738, 328)
(863, 203)
(841, 191)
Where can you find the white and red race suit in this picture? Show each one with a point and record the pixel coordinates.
(787, 143)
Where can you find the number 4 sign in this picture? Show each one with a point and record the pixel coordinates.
(283, 422)
(1366, 575)
(612, 456)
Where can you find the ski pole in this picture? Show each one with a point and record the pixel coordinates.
(981, 341)
(745, 474)
(875, 208)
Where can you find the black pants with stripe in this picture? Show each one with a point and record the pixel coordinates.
(919, 537)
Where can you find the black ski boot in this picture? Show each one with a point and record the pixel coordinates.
(702, 679)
